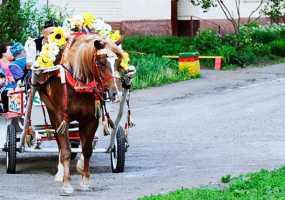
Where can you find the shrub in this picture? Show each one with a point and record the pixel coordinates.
(261, 49)
(244, 57)
(207, 41)
(158, 45)
(265, 36)
(278, 48)
(228, 52)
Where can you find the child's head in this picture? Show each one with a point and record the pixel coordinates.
(17, 49)
(5, 52)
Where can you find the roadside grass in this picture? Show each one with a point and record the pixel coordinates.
(262, 185)
(153, 70)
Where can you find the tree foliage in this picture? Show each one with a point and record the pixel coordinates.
(19, 21)
(233, 15)
(273, 9)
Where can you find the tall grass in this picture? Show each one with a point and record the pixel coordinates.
(155, 71)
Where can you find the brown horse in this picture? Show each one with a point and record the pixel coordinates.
(88, 62)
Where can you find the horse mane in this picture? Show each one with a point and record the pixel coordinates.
(80, 57)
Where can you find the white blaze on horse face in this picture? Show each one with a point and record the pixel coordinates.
(112, 61)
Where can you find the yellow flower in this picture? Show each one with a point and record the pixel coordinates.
(125, 61)
(115, 36)
(89, 19)
(58, 37)
(44, 61)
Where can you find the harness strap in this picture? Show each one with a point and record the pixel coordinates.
(44, 113)
(65, 102)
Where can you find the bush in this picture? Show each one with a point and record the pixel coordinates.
(244, 57)
(261, 49)
(278, 48)
(253, 43)
(158, 45)
(265, 36)
(228, 52)
(207, 41)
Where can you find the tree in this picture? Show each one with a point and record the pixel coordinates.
(19, 21)
(273, 9)
(232, 15)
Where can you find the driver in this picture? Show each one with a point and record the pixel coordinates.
(33, 47)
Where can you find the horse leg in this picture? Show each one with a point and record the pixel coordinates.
(60, 169)
(87, 133)
(65, 153)
(80, 164)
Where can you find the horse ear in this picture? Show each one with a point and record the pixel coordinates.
(99, 44)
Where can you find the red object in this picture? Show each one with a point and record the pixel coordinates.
(10, 115)
(218, 63)
(79, 86)
(188, 59)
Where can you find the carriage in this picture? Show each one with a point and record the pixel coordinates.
(13, 140)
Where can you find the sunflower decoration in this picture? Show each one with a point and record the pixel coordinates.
(89, 20)
(50, 49)
(125, 61)
(58, 37)
(115, 36)
(44, 61)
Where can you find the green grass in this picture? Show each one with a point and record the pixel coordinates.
(155, 71)
(262, 185)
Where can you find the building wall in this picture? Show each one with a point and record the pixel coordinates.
(146, 9)
(120, 10)
(130, 16)
(214, 18)
(109, 10)
(186, 9)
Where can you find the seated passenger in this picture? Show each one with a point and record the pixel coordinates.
(33, 47)
(7, 82)
(18, 66)
(5, 59)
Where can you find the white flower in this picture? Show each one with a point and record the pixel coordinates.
(77, 20)
(67, 24)
(99, 24)
(107, 28)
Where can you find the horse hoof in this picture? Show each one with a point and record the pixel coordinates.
(84, 187)
(67, 190)
(58, 178)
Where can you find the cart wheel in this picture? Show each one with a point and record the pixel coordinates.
(118, 152)
(11, 150)
(74, 145)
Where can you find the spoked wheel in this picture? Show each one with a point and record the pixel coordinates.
(118, 152)
(11, 150)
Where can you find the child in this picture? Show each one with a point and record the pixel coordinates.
(6, 79)
(18, 66)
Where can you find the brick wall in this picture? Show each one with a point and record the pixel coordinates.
(224, 26)
(143, 27)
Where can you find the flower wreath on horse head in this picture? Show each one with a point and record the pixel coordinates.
(61, 37)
